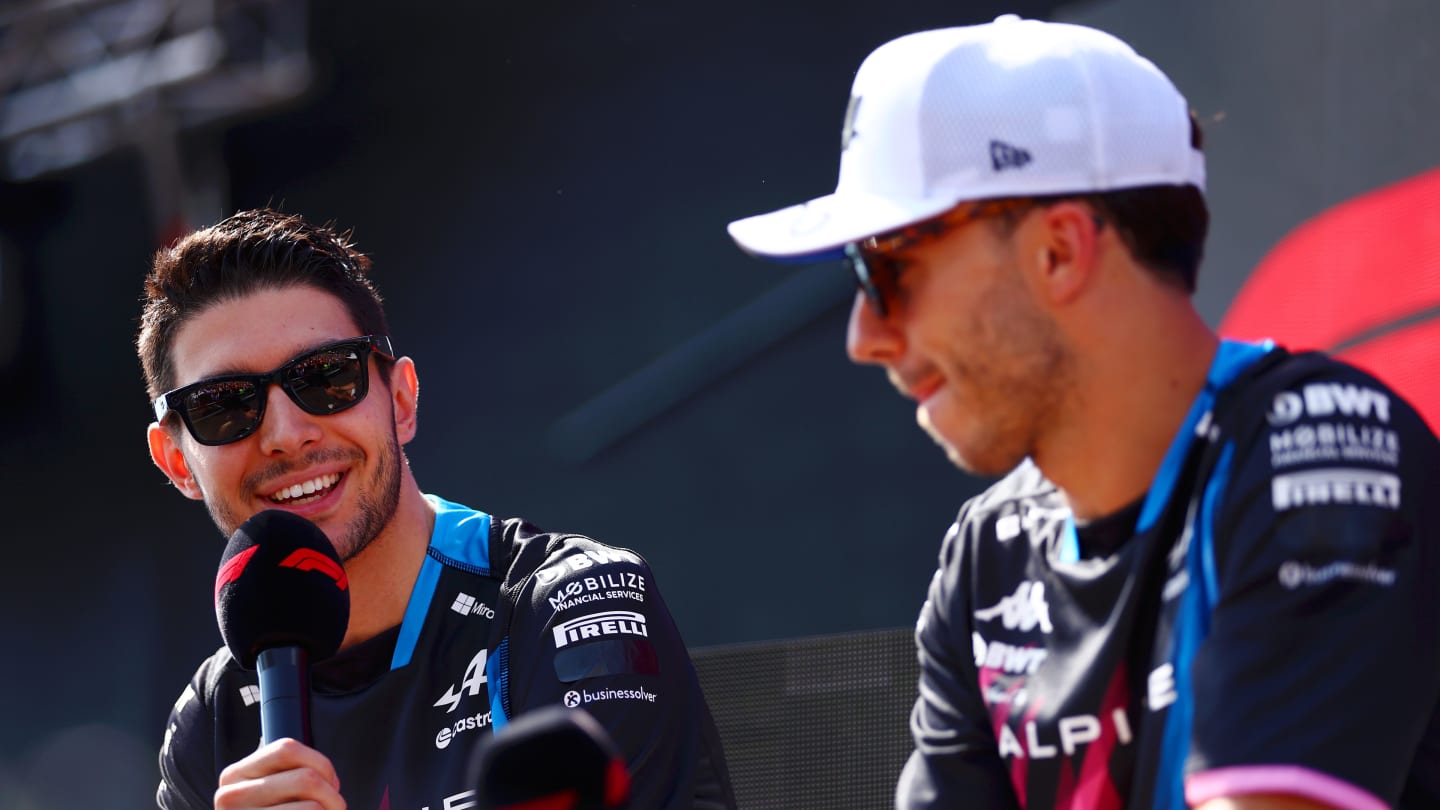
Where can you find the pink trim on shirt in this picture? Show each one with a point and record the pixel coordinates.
(1292, 779)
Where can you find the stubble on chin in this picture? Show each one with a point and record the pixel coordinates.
(375, 511)
(225, 519)
(982, 465)
(986, 451)
(377, 506)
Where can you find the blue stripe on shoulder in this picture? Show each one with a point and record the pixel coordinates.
(1192, 623)
(1203, 565)
(1070, 542)
(415, 612)
(1192, 626)
(461, 536)
(1232, 358)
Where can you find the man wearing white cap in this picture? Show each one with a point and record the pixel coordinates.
(1210, 575)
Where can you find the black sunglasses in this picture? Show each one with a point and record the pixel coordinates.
(875, 276)
(323, 380)
(875, 262)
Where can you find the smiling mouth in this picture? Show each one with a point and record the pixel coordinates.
(307, 491)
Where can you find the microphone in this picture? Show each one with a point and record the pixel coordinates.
(282, 600)
(550, 759)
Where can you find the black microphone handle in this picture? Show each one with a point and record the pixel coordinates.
(284, 694)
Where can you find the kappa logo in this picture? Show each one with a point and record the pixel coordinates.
(1328, 399)
(583, 560)
(1335, 485)
(1004, 156)
(609, 623)
(470, 684)
(1021, 610)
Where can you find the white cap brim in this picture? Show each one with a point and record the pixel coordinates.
(820, 229)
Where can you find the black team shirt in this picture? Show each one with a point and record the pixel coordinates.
(1265, 619)
(503, 618)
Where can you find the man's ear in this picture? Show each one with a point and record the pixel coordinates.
(405, 398)
(1068, 251)
(167, 456)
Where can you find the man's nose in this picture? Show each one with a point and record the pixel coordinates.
(286, 427)
(869, 338)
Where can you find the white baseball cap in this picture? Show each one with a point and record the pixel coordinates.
(1005, 109)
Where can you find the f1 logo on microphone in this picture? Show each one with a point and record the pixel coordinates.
(230, 571)
(308, 559)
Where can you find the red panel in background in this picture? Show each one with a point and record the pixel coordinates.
(1361, 280)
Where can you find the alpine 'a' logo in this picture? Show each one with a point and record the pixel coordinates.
(469, 685)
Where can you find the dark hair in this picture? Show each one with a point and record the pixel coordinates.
(1163, 227)
(244, 254)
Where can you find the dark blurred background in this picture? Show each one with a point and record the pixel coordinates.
(543, 188)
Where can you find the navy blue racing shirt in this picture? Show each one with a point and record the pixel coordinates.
(1266, 619)
(503, 618)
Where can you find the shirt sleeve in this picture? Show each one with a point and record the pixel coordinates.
(591, 631)
(1321, 670)
(187, 771)
(956, 762)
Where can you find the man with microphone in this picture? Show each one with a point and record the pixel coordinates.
(1210, 573)
(277, 386)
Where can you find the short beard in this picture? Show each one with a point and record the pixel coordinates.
(378, 507)
(1028, 386)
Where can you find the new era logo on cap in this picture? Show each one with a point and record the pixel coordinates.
(1004, 156)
